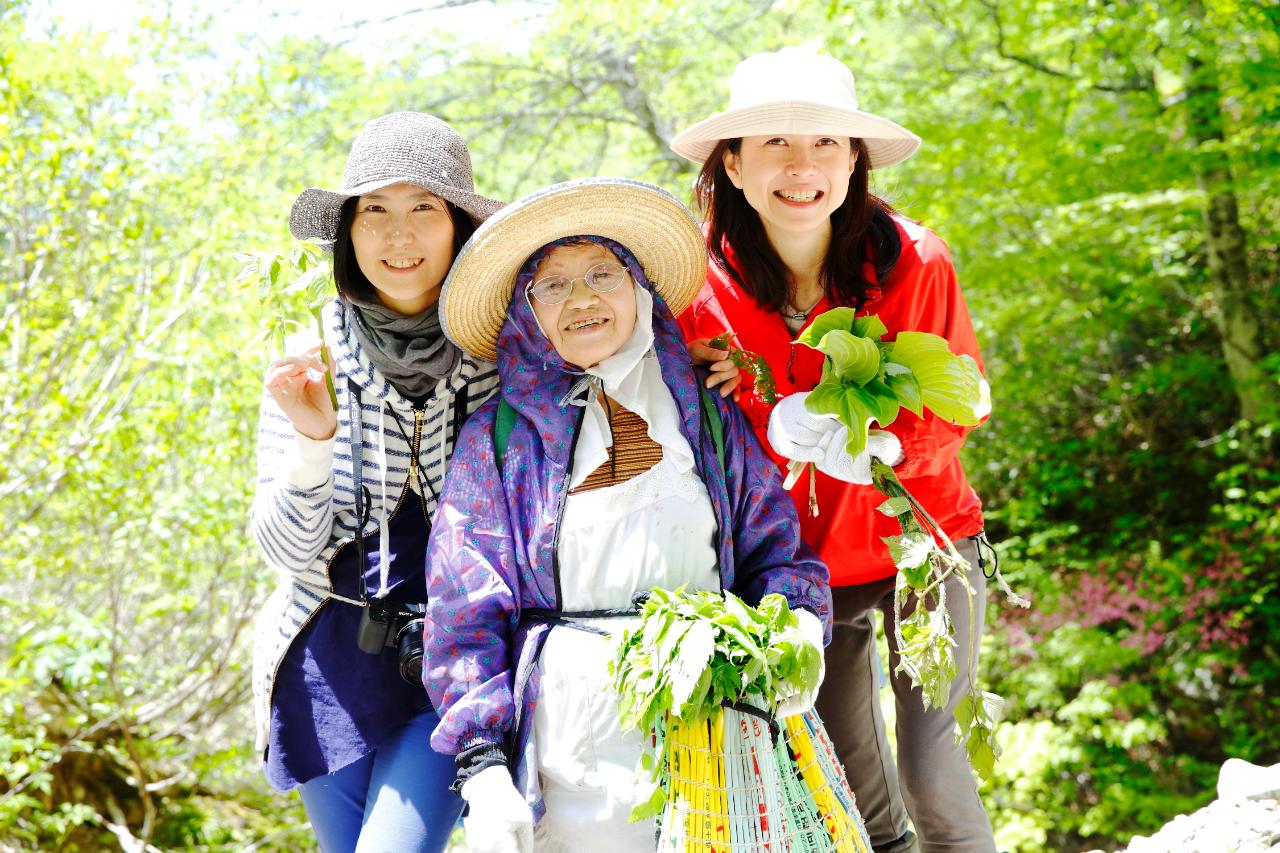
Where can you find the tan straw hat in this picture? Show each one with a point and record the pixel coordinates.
(796, 91)
(649, 221)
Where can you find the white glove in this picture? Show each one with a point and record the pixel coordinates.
(500, 821)
(795, 432)
(811, 629)
(836, 461)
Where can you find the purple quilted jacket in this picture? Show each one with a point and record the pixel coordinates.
(492, 553)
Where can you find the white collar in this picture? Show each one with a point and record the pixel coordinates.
(632, 377)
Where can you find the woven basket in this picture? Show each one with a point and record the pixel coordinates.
(742, 782)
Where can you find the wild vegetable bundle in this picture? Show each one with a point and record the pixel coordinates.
(289, 285)
(696, 651)
(750, 363)
(701, 677)
(867, 380)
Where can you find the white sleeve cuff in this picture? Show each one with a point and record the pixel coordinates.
(312, 462)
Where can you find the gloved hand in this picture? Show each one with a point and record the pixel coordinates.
(500, 821)
(797, 433)
(799, 703)
(836, 461)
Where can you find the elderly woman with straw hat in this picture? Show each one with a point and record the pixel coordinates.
(599, 482)
(793, 231)
(346, 494)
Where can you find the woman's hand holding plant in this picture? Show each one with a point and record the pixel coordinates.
(290, 285)
(297, 384)
(724, 372)
(800, 435)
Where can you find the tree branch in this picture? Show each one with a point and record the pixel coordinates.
(1137, 82)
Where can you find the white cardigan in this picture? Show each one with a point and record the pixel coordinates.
(304, 507)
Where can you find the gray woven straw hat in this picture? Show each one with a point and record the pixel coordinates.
(654, 226)
(397, 148)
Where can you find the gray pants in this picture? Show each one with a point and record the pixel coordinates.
(932, 775)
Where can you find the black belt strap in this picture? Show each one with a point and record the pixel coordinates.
(566, 617)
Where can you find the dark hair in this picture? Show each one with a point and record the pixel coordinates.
(862, 224)
(346, 270)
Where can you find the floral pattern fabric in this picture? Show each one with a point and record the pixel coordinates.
(492, 554)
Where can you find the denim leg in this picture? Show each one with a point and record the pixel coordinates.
(410, 808)
(335, 805)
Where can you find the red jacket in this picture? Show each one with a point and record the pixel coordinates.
(921, 295)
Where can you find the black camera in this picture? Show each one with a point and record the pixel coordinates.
(397, 625)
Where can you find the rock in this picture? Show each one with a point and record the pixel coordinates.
(1240, 780)
(1241, 826)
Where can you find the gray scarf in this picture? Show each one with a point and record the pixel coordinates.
(411, 351)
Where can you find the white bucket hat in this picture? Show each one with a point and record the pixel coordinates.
(397, 148)
(796, 91)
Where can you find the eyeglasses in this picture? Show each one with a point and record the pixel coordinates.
(554, 289)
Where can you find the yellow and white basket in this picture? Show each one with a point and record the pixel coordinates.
(742, 782)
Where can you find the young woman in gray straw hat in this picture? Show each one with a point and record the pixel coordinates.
(792, 231)
(608, 485)
(342, 713)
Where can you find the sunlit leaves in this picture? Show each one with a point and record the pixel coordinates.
(865, 381)
(925, 654)
(855, 360)
(976, 715)
(692, 652)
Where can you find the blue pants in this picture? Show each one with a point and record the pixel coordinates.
(396, 798)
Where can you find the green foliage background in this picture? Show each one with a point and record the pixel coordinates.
(1068, 162)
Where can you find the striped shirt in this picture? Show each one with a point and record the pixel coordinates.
(304, 506)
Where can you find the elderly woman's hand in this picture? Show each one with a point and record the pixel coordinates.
(802, 702)
(500, 820)
(723, 371)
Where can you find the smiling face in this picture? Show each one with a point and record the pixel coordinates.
(588, 326)
(403, 241)
(794, 181)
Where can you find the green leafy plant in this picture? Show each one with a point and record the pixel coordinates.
(752, 364)
(291, 284)
(693, 652)
(867, 380)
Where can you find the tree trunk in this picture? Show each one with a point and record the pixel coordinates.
(1239, 307)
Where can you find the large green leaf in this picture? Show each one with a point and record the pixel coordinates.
(894, 507)
(905, 387)
(856, 407)
(689, 665)
(880, 398)
(841, 319)
(910, 551)
(831, 398)
(951, 386)
(869, 327)
(854, 359)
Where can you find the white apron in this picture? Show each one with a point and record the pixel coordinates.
(657, 529)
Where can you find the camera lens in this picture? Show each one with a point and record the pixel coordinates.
(409, 644)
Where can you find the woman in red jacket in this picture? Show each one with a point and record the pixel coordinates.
(793, 231)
